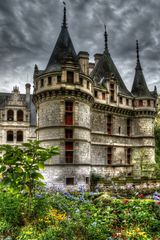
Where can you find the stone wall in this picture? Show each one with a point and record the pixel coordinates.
(143, 126)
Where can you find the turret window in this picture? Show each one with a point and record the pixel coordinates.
(68, 133)
(88, 84)
(9, 136)
(70, 77)
(128, 127)
(42, 82)
(19, 136)
(103, 96)
(127, 101)
(109, 155)
(49, 80)
(109, 124)
(68, 113)
(129, 156)
(10, 115)
(69, 152)
(148, 103)
(95, 94)
(140, 103)
(20, 115)
(59, 79)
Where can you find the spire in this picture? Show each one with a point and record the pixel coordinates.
(138, 61)
(139, 87)
(64, 16)
(105, 39)
(64, 50)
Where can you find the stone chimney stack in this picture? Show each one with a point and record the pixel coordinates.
(28, 95)
(97, 56)
(84, 61)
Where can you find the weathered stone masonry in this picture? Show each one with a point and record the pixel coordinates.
(99, 125)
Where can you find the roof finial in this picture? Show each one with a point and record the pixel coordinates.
(64, 17)
(105, 38)
(137, 49)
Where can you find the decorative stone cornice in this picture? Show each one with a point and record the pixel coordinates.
(63, 93)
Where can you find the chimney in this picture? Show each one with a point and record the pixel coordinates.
(91, 67)
(97, 56)
(84, 61)
(28, 95)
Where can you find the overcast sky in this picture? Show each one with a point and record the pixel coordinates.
(30, 28)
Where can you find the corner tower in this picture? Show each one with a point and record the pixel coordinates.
(63, 98)
(144, 104)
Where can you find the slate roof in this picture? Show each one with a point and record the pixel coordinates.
(63, 51)
(104, 69)
(140, 88)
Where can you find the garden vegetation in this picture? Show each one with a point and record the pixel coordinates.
(29, 212)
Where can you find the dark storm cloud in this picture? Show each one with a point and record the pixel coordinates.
(29, 30)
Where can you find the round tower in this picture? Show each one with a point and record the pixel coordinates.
(63, 98)
(144, 106)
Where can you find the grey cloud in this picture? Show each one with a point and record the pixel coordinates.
(29, 30)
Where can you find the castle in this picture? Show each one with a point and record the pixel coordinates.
(86, 109)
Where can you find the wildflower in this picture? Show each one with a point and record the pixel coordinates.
(38, 196)
(156, 197)
(156, 194)
(141, 195)
(81, 198)
(77, 210)
(94, 224)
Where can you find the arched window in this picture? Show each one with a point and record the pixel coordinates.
(20, 115)
(19, 136)
(10, 115)
(9, 136)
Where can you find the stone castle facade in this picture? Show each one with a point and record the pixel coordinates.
(86, 109)
(17, 117)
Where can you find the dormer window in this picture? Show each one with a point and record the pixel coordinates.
(127, 101)
(58, 79)
(121, 100)
(70, 77)
(49, 80)
(112, 92)
(112, 86)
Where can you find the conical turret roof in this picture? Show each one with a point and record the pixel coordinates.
(140, 88)
(63, 51)
(105, 68)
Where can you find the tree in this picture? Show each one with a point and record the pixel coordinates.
(20, 166)
(157, 143)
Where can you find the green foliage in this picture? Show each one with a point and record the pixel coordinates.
(67, 216)
(20, 166)
(10, 207)
(157, 144)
